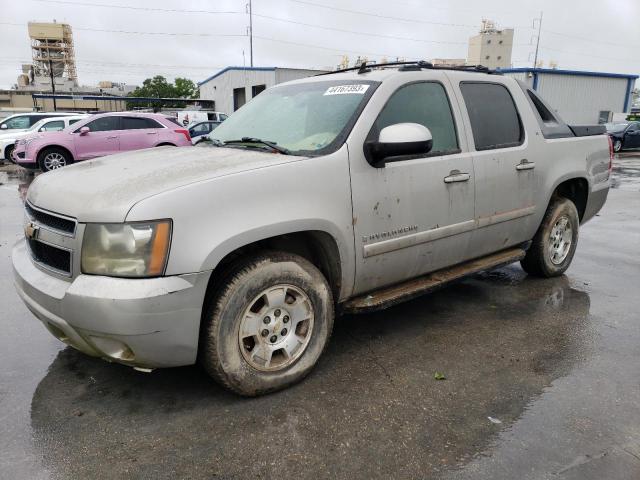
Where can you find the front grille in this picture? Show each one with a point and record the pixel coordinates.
(51, 221)
(50, 256)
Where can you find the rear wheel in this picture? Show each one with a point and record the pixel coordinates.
(267, 326)
(53, 159)
(555, 241)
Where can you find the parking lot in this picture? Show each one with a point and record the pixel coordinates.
(541, 382)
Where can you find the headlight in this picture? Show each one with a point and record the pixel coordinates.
(137, 249)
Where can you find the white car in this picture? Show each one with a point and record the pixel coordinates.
(19, 122)
(47, 124)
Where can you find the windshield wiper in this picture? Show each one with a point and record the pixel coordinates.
(272, 145)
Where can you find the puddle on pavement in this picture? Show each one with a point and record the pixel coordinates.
(626, 171)
(372, 407)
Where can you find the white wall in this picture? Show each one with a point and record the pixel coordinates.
(579, 99)
(220, 89)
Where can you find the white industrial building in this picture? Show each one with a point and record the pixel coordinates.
(232, 87)
(492, 47)
(580, 97)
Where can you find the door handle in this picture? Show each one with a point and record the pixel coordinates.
(526, 165)
(111, 138)
(151, 133)
(457, 176)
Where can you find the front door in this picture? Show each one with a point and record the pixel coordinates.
(505, 175)
(632, 136)
(100, 140)
(416, 215)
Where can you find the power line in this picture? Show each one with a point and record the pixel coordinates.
(147, 9)
(401, 19)
(341, 50)
(171, 34)
(585, 39)
(626, 60)
(333, 29)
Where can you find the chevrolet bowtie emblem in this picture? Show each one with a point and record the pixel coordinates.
(31, 231)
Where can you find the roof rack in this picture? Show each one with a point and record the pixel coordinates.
(365, 67)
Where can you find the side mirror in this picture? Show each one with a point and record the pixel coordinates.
(397, 141)
(84, 130)
(3, 126)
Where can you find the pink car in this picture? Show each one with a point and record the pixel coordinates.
(97, 136)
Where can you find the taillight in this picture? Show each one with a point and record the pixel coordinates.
(184, 132)
(610, 153)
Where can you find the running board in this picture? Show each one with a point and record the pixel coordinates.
(387, 297)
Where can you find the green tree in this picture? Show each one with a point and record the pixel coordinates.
(159, 87)
(186, 88)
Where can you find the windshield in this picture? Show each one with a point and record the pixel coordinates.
(305, 118)
(616, 127)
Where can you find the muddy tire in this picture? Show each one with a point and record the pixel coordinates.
(7, 153)
(268, 323)
(53, 159)
(555, 241)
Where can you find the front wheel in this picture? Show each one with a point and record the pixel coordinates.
(53, 159)
(267, 325)
(617, 146)
(555, 242)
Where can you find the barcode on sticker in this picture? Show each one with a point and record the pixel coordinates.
(345, 89)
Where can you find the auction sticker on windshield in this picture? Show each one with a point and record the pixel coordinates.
(344, 89)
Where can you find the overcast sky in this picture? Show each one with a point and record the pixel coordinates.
(188, 38)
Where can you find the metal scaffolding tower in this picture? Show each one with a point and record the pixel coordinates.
(52, 51)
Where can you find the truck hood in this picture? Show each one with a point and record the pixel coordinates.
(105, 189)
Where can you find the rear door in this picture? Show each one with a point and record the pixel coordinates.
(416, 215)
(505, 177)
(138, 132)
(102, 138)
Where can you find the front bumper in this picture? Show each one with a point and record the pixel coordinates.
(146, 323)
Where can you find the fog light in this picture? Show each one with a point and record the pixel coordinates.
(113, 348)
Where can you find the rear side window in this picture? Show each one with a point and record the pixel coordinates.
(71, 122)
(543, 111)
(495, 122)
(425, 103)
(137, 123)
(103, 124)
(173, 120)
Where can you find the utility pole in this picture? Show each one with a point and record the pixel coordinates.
(535, 59)
(250, 34)
(53, 85)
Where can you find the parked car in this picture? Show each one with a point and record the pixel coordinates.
(22, 121)
(624, 135)
(187, 118)
(198, 130)
(98, 136)
(347, 192)
(52, 124)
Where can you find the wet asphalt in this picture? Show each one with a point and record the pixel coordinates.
(542, 382)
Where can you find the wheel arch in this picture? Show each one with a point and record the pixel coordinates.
(166, 144)
(317, 246)
(576, 189)
(48, 147)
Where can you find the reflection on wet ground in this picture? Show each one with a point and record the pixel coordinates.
(553, 362)
(372, 406)
(626, 171)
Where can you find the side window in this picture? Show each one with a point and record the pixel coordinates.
(18, 122)
(53, 126)
(222, 117)
(103, 124)
(425, 103)
(495, 122)
(71, 122)
(633, 127)
(137, 123)
(36, 118)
